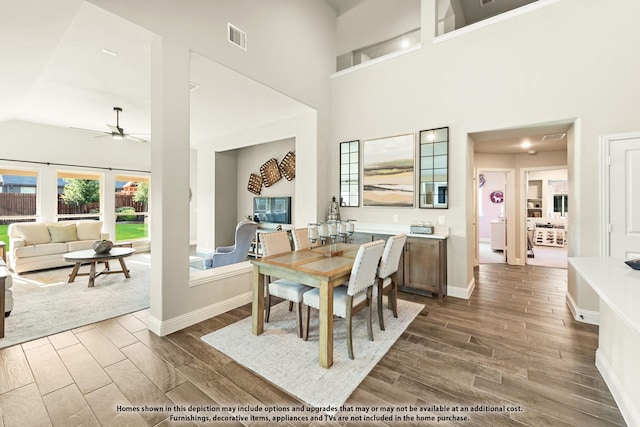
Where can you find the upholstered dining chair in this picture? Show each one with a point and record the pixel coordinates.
(388, 275)
(348, 300)
(301, 239)
(225, 255)
(274, 243)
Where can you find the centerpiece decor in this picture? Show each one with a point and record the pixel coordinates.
(102, 246)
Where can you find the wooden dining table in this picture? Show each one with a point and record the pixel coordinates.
(312, 267)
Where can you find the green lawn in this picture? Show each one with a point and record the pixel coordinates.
(131, 231)
(123, 232)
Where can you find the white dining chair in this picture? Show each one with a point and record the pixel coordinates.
(275, 243)
(388, 275)
(356, 295)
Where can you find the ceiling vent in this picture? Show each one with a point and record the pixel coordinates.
(485, 2)
(237, 36)
(554, 136)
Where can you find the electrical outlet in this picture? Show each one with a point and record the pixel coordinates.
(441, 219)
(395, 218)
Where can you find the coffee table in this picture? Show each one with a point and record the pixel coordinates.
(89, 256)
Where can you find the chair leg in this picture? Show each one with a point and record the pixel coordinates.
(348, 322)
(299, 319)
(306, 329)
(369, 314)
(267, 308)
(380, 308)
(290, 305)
(394, 292)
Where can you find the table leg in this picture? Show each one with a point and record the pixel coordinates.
(2, 302)
(92, 274)
(257, 306)
(124, 268)
(74, 272)
(326, 324)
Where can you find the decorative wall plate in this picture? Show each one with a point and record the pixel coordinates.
(288, 166)
(255, 183)
(270, 172)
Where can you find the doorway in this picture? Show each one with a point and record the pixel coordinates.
(491, 216)
(547, 216)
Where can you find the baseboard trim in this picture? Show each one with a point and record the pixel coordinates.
(625, 404)
(584, 316)
(464, 293)
(162, 328)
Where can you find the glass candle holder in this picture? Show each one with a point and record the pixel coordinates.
(312, 230)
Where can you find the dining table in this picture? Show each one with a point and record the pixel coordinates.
(323, 267)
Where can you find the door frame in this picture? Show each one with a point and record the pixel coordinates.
(605, 195)
(509, 211)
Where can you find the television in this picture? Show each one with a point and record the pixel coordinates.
(276, 210)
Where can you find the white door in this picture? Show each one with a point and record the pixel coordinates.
(624, 197)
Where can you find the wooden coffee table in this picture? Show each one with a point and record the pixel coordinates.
(90, 257)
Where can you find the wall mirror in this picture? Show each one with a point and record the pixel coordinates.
(350, 173)
(434, 168)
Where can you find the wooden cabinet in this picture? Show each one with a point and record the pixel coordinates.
(425, 266)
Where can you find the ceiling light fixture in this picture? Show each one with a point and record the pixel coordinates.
(532, 152)
(405, 44)
(109, 52)
(525, 144)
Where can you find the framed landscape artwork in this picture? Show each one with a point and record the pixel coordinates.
(388, 171)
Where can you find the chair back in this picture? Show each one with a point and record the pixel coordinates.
(275, 242)
(245, 233)
(365, 266)
(391, 255)
(301, 239)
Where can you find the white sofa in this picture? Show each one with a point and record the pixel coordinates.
(39, 245)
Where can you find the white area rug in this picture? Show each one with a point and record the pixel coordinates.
(45, 304)
(292, 364)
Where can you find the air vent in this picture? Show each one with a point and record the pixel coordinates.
(554, 136)
(485, 2)
(237, 36)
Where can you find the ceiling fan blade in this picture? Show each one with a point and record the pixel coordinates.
(91, 130)
(116, 129)
(133, 138)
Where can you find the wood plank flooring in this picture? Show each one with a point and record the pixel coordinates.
(514, 344)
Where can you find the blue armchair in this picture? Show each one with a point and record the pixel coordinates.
(225, 255)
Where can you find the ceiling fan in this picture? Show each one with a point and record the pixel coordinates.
(116, 131)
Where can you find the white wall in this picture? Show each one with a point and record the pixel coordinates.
(494, 181)
(500, 77)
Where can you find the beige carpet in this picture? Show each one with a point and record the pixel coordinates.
(45, 304)
(292, 364)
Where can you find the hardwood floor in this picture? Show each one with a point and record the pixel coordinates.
(514, 345)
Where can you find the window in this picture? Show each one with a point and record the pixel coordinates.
(78, 195)
(561, 204)
(350, 173)
(132, 207)
(18, 193)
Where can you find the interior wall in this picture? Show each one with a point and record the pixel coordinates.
(494, 181)
(249, 161)
(374, 21)
(226, 192)
(474, 88)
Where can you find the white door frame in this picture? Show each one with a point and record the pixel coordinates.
(605, 196)
(509, 211)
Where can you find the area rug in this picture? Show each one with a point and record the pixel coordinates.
(292, 364)
(45, 304)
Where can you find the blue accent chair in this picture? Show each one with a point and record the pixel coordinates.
(225, 255)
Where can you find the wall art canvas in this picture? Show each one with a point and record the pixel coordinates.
(388, 171)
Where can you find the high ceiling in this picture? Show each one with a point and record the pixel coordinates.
(59, 68)
(55, 71)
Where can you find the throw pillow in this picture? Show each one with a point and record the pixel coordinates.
(89, 230)
(34, 233)
(63, 233)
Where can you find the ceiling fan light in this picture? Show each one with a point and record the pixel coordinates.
(116, 136)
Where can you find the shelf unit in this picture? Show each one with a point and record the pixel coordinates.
(550, 237)
(534, 198)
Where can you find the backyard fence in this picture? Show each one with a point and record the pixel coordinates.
(17, 204)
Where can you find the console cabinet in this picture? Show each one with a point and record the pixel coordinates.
(425, 266)
(423, 263)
